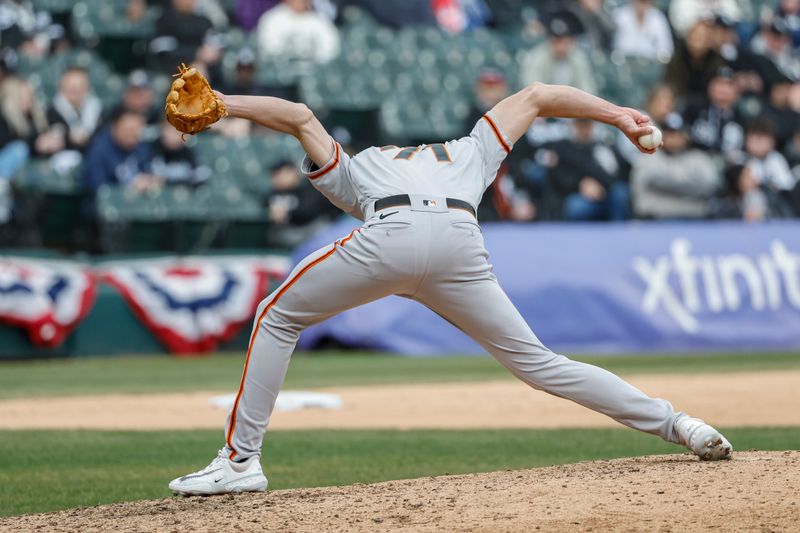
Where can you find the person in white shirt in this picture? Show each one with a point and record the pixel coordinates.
(643, 31)
(293, 30)
(683, 14)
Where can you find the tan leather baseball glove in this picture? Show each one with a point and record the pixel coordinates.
(191, 105)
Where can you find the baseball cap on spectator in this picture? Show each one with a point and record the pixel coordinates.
(138, 79)
(245, 57)
(491, 75)
(674, 122)
(8, 60)
(778, 26)
(725, 72)
(342, 135)
(559, 27)
(724, 21)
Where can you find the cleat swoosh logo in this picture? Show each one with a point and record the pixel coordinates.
(192, 476)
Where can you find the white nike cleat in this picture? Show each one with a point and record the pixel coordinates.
(221, 477)
(705, 441)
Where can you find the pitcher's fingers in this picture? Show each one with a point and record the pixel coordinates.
(641, 130)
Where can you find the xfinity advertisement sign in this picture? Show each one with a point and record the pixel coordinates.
(718, 284)
(641, 287)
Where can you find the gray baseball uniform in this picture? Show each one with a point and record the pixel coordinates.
(427, 252)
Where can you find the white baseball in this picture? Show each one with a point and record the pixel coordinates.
(652, 140)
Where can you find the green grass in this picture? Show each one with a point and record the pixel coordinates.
(49, 470)
(222, 372)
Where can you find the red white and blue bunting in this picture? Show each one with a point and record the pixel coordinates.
(45, 298)
(192, 304)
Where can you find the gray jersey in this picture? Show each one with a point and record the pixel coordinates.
(461, 169)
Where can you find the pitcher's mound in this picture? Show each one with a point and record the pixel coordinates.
(755, 491)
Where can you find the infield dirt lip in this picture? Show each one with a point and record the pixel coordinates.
(763, 398)
(755, 491)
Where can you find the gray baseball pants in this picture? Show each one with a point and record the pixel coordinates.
(437, 258)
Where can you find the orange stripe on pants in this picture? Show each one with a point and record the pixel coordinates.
(261, 317)
(263, 314)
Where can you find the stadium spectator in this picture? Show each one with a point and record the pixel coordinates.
(715, 124)
(244, 79)
(684, 14)
(295, 208)
(792, 154)
(558, 60)
(748, 66)
(778, 109)
(292, 30)
(491, 87)
(23, 119)
(598, 24)
(213, 11)
(769, 167)
(173, 161)
(456, 16)
(584, 177)
(135, 10)
(17, 23)
(138, 97)
(677, 181)
(14, 147)
(789, 10)
(643, 31)
(517, 189)
(508, 198)
(743, 199)
(694, 63)
(775, 43)
(660, 103)
(76, 107)
(183, 36)
(23, 129)
(118, 156)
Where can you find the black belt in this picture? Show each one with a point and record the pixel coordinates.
(403, 199)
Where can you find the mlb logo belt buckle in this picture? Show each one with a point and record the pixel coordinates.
(431, 204)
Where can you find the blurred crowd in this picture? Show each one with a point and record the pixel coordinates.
(728, 103)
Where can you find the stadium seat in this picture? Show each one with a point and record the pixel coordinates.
(53, 6)
(437, 119)
(353, 16)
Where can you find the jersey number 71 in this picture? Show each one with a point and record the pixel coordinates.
(439, 152)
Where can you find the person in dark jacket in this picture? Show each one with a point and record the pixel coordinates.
(173, 161)
(585, 177)
(117, 156)
(715, 123)
(778, 108)
(182, 36)
(296, 209)
(491, 86)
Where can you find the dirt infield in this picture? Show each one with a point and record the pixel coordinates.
(736, 399)
(756, 491)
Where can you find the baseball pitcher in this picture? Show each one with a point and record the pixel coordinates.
(420, 239)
